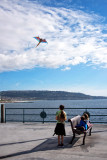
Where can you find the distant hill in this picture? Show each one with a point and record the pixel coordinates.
(45, 95)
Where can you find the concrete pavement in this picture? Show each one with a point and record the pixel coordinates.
(35, 141)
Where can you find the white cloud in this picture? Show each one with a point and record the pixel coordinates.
(73, 37)
(66, 68)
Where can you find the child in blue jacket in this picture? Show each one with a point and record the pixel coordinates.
(82, 126)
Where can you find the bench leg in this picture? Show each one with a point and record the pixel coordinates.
(84, 138)
(90, 132)
(72, 139)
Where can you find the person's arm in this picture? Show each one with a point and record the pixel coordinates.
(57, 116)
(85, 126)
(80, 124)
(65, 117)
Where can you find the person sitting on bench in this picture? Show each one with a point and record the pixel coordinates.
(82, 126)
(87, 119)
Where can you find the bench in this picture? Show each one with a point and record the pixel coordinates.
(74, 121)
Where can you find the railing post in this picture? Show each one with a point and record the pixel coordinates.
(43, 116)
(23, 115)
(2, 113)
(5, 115)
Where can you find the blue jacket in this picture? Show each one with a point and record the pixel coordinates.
(82, 123)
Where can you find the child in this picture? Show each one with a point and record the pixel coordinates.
(86, 115)
(60, 126)
(83, 125)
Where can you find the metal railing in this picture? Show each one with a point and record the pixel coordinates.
(97, 115)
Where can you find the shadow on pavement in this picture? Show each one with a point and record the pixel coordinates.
(48, 144)
(6, 144)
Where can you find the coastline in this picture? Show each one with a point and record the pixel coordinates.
(27, 101)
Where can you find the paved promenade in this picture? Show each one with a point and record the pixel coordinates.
(35, 141)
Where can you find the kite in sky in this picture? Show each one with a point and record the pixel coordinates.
(40, 40)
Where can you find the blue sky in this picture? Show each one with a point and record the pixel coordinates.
(75, 58)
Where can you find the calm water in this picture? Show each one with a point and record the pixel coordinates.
(34, 114)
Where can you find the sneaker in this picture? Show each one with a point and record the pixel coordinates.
(58, 145)
(62, 145)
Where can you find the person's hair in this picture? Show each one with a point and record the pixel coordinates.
(61, 107)
(86, 112)
(62, 115)
(83, 118)
(86, 116)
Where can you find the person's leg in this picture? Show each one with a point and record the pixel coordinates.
(62, 138)
(58, 139)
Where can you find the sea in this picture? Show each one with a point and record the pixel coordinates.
(45, 110)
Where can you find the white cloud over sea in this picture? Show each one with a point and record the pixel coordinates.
(73, 37)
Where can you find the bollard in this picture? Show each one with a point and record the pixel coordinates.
(2, 113)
